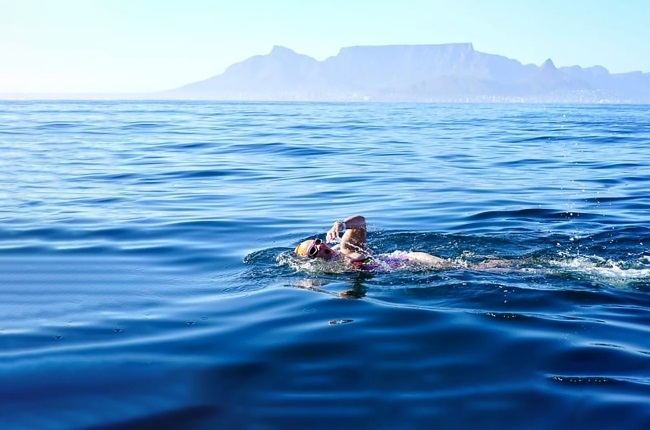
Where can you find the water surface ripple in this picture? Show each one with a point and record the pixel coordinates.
(146, 276)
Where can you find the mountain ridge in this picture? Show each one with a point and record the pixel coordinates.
(444, 72)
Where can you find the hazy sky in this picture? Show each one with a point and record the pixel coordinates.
(152, 45)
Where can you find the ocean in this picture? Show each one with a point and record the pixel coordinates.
(147, 277)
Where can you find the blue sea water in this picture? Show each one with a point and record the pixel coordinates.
(146, 276)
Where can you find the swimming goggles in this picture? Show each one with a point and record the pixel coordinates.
(314, 248)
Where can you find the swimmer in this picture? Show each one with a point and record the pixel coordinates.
(353, 249)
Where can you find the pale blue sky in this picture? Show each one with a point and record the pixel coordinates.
(152, 45)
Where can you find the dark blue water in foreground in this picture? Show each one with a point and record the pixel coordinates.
(146, 279)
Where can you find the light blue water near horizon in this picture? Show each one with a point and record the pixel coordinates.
(146, 276)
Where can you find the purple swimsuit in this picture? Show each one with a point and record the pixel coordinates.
(390, 261)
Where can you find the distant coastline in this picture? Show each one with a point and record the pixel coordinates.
(447, 73)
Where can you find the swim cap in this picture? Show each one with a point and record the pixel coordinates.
(303, 248)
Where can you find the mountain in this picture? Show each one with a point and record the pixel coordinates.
(282, 70)
(448, 72)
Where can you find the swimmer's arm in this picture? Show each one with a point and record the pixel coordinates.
(353, 242)
(357, 256)
(354, 228)
(355, 221)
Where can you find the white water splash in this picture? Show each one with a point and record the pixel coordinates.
(598, 269)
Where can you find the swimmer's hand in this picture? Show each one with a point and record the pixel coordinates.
(333, 233)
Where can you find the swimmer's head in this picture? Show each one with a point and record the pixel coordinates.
(314, 248)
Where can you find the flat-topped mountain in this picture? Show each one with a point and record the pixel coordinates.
(449, 72)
